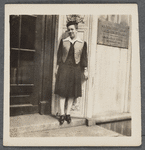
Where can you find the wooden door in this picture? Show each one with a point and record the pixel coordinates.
(78, 109)
(31, 63)
(26, 34)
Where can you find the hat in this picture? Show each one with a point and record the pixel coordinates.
(76, 18)
(72, 23)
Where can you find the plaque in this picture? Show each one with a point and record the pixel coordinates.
(112, 34)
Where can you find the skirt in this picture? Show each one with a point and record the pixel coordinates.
(68, 81)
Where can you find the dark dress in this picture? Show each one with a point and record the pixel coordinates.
(68, 79)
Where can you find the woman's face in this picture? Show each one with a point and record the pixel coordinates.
(72, 31)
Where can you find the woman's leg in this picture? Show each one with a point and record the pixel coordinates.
(62, 115)
(69, 105)
(62, 104)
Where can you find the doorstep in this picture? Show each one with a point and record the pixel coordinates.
(112, 117)
(108, 118)
(36, 122)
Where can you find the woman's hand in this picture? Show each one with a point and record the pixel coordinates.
(56, 70)
(86, 73)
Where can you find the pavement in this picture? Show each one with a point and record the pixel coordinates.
(37, 125)
(79, 131)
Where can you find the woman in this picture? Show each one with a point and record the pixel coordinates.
(71, 61)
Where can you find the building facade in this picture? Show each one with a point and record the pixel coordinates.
(106, 94)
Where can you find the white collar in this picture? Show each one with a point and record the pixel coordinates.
(72, 41)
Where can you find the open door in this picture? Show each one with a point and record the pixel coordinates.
(31, 63)
(25, 56)
(78, 109)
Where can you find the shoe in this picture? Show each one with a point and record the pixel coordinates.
(61, 119)
(68, 119)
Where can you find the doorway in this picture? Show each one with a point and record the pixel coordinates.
(31, 63)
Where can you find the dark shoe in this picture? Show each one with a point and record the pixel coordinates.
(61, 119)
(68, 119)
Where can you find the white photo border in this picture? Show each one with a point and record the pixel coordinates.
(61, 9)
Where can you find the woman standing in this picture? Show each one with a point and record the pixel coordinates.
(71, 61)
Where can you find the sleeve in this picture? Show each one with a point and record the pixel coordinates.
(59, 53)
(84, 56)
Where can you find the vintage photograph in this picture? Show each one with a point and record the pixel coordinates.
(70, 75)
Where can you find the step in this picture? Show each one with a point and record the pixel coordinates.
(108, 118)
(23, 109)
(36, 122)
(111, 117)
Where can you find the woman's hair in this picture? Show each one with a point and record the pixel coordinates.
(72, 23)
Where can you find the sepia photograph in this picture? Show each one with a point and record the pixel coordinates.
(71, 75)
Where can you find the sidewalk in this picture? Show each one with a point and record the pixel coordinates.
(36, 125)
(79, 131)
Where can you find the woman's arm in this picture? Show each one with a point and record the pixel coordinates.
(59, 53)
(84, 57)
(59, 56)
(84, 60)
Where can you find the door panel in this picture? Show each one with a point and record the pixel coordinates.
(28, 28)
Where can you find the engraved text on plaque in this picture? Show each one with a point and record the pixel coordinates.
(113, 34)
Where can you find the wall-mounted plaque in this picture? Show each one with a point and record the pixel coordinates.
(112, 34)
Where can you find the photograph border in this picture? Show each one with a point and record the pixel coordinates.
(131, 9)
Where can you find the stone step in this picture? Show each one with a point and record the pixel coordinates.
(22, 109)
(36, 122)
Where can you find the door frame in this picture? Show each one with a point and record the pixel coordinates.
(55, 98)
(50, 31)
